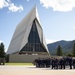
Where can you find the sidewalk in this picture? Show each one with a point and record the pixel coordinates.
(31, 70)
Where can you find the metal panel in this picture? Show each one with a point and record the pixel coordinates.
(20, 37)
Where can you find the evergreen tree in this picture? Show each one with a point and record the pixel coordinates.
(74, 49)
(59, 51)
(2, 53)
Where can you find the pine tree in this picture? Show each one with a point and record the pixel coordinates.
(74, 49)
(2, 53)
(59, 51)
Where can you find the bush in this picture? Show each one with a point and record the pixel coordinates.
(70, 55)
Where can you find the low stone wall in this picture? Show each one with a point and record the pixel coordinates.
(21, 58)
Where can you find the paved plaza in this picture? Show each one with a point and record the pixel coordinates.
(32, 70)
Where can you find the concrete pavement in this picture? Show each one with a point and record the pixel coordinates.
(32, 70)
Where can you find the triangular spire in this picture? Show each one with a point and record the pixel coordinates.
(21, 34)
(35, 11)
(32, 15)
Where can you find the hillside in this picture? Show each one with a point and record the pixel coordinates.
(66, 46)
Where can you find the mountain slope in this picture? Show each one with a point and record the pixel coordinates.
(66, 46)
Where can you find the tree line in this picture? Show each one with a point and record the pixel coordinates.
(3, 57)
(2, 50)
(59, 51)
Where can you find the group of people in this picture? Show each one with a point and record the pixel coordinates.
(55, 63)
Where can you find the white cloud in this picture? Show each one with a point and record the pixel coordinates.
(9, 1)
(50, 41)
(11, 6)
(59, 5)
(5, 49)
(1, 41)
(3, 4)
(74, 27)
(14, 8)
(28, 0)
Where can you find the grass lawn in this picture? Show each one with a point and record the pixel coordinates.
(19, 64)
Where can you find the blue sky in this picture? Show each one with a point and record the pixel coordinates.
(57, 18)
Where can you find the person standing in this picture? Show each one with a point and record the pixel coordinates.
(74, 63)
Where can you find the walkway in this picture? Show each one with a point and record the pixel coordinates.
(31, 70)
